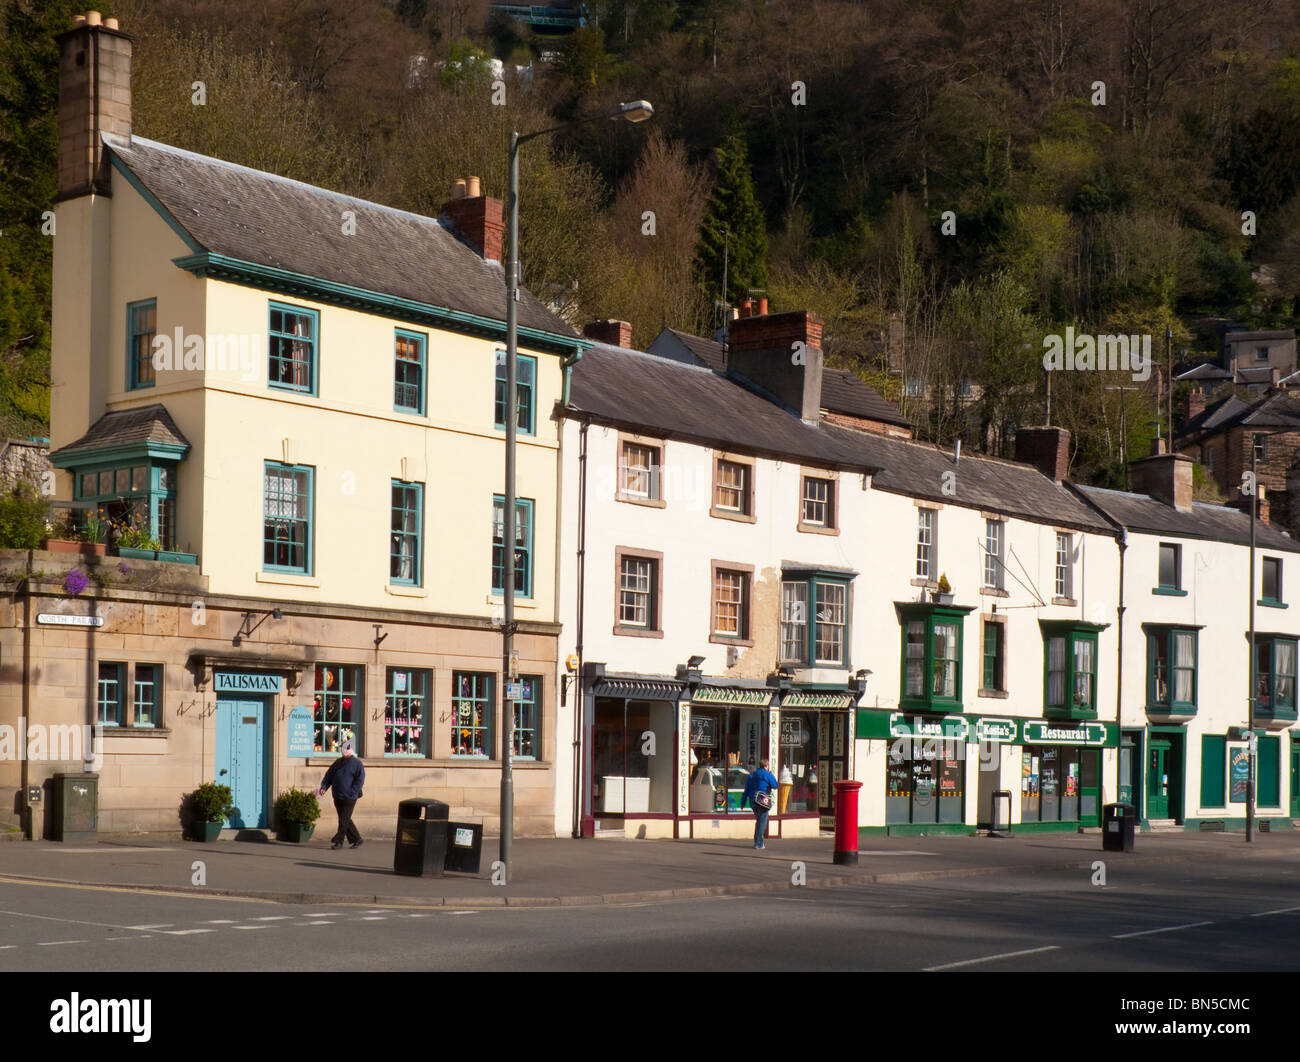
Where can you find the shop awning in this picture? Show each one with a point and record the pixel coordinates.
(639, 689)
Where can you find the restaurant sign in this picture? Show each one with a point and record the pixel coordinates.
(1065, 733)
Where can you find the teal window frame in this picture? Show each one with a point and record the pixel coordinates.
(524, 586)
(274, 361)
(407, 709)
(526, 392)
(110, 693)
(471, 691)
(930, 616)
(528, 710)
(146, 696)
(1073, 633)
(134, 381)
(338, 707)
(1275, 707)
(145, 483)
(809, 621)
(309, 545)
(1169, 636)
(406, 523)
(404, 366)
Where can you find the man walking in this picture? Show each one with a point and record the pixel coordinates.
(347, 774)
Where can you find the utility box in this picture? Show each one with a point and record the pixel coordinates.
(421, 846)
(1118, 825)
(74, 807)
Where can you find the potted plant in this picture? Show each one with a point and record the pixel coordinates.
(943, 593)
(134, 540)
(209, 805)
(296, 812)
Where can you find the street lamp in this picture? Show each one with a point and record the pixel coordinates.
(635, 111)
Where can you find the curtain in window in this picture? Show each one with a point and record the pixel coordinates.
(915, 658)
(1284, 653)
(1056, 671)
(1184, 662)
(1083, 673)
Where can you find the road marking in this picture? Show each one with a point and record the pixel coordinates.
(160, 925)
(186, 932)
(991, 958)
(250, 927)
(418, 914)
(373, 918)
(1280, 910)
(1164, 929)
(6, 947)
(314, 923)
(220, 922)
(460, 912)
(271, 918)
(51, 943)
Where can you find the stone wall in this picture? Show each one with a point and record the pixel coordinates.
(25, 462)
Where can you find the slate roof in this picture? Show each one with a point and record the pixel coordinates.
(1215, 417)
(144, 424)
(669, 398)
(267, 220)
(1249, 337)
(1207, 370)
(706, 352)
(1280, 409)
(1139, 512)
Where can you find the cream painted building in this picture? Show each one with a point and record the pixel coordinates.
(299, 397)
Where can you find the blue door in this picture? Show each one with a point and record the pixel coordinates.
(241, 760)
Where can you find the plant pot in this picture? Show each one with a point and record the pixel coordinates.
(177, 558)
(297, 832)
(137, 554)
(67, 545)
(205, 831)
(943, 599)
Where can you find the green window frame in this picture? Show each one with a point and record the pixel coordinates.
(406, 553)
(525, 390)
(816, 619)
(337, 708)
(1214, 771)
(141, 327)
(528, 719)
(146, 693)
(993, 673)
(406, 712)
(1275, 677)
(293, 347)
(1270, 580)
(1070, 663)
(932, 642)
(1173, 658)
(1169, 570)
(471, 717)
(110, 693)
(287, 508)
(409, 372)
(523, 546)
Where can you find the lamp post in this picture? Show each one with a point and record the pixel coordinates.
(635, 111)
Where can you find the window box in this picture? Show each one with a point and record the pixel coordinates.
(157, 555)
(931, 656)
(1070, 669)
(67, 545)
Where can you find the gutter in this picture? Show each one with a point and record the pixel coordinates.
(567, 367)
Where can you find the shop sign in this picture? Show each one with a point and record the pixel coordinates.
(813, 699)
(1240, 761)
(793, 732)
(950, 726)
(1065, 734)
(300, 741)
(59, 620)
(247, 682)
(995, 730)
(704, 731)
(732, 695)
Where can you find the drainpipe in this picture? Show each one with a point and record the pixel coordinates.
(28, 817)
(566, 366)
(1119, 663)
(579, 693)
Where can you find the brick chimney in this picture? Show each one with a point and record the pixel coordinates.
(94, 98)
(615, 333)
(1164, 476)
(781, 353)
(1047, 449)
(478, 218)
(1195, 403)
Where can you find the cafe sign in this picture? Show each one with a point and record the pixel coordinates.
(950, 727)
(731, 695)
(1065, 734)
(247, 682)
(997, 731)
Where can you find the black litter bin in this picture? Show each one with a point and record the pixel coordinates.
(1118, 823)
(464, 846)
(421, 846)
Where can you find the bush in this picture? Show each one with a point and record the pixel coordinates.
(23, 518)
(211, 802)
(297, 806)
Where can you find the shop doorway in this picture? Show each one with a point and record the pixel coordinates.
(632, 757)
(1295, 778)
(833, 760)
(241, 760)
(1165, 777)
(1090, 788)
(1130, 771)
(990, 768)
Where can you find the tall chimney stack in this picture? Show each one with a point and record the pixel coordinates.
(1164, 476)
(1047, 449)
(1195, 403)
(781, 353)
(478, 218)
(94, 98)
(615, 333)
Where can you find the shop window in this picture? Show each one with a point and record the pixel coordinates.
(523, 546)
(404, 558)
(1275, 677)
(292, 342)
(726, 745)
(1070, 668)
(932, 656)
(1050, 783)
(141, 327)
(1171, 669)
(287, 518)
(471, 713)
(336, 706)
(797, 778)
(109, 694)
(146, 693)
(408, 372)
(632, 760)
(525, 381)
(925, 781)
(527, 743)
(406, 706)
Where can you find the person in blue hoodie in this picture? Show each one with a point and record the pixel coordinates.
(758, 795)
(346, 774)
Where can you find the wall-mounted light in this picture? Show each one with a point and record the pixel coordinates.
(247, 627)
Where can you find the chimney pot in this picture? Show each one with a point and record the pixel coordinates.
(110, 23)
(762, 307)
(78, 20)
(1195, 403)
(747, 308)
(94, 18)
(458, 189)
(473, 189)
(478, 218)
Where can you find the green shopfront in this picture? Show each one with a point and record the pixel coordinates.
(952, 773)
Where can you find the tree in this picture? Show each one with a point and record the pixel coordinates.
(733, 228)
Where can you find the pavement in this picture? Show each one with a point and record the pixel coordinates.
(566, 872)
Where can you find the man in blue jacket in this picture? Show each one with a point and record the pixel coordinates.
(346, 774)
(758, 794)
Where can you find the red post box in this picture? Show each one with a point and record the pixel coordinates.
(846, 823)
